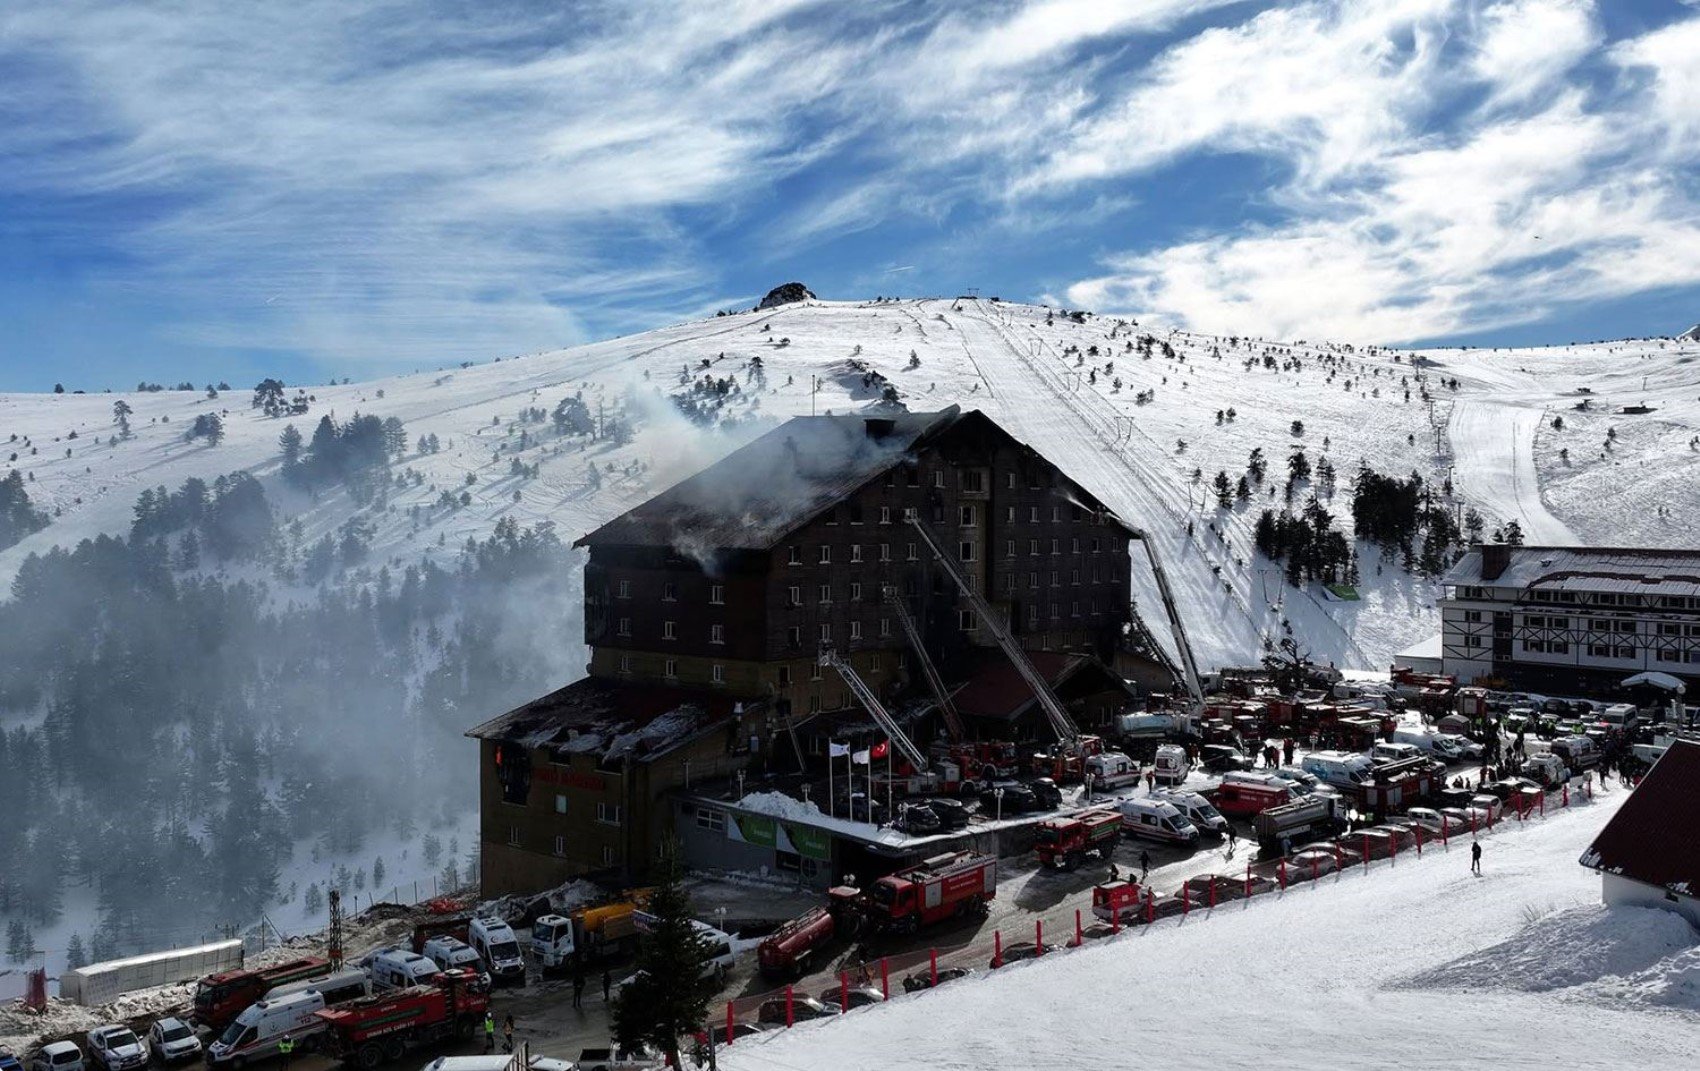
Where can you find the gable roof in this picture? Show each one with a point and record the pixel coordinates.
(763, 491)
(1655, 835)
(1643, 571)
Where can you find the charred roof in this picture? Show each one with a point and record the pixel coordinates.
(612, 720)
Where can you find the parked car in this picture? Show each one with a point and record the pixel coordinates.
(773, 1011)
(1046, 792)
(861, 806)
(1023, 950)
(1492, 806)
(920, 980)
(952, 814)
(860, 996)
(918, 818)
(172, 1039)
(1221, 758)
(9, 1061)
(1303, 783)
(1017, 798)
(117, 1048)
(58, 1056)
(1313, 860)
(1427, 819)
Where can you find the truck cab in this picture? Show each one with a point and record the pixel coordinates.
(552, 941)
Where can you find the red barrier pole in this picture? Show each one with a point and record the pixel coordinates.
(1115, 918)
(1473, 830)
(1212, 891)
(1565, 802)
(1315, 867)
(1366, 853)
(729, 1021)
(1186, 901)
(997, 949)
(1079, 934)
(843, 992)
(933, 966)
(1445, 821)
(1543, 803)
(1419, 830)
(1038, 937)
(1283, 872)
(790, 1010)
(885, 979)
(1150, 906)
(1248, 881)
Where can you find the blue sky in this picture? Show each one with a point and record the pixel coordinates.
(333, 188)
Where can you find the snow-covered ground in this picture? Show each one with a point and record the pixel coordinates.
(1423, 966)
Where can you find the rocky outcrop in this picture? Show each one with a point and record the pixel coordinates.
(1690, 335)
(785, 294)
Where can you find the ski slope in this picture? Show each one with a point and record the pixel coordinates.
(1136, 446)
(1422, 967)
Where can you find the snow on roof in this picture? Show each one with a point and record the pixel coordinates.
(1655, 835)
(613, 718)
(1429, 648)
(1647, 571)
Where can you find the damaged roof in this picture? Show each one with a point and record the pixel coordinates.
(1655, 835)
(751, 498)
(612, 720)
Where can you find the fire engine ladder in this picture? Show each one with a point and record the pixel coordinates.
(1061, 723)
(866, 696)
(947, 708)
(1194, 689)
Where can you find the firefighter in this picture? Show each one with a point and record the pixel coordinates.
(285, 1050)
(489, 1033)
(1289, 751)
(1232, 837)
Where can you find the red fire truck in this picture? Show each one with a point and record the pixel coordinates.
(375, 1030)
(1124, 900)
(220, 998)
(786, 952)
(945, 886)
(1066, 841)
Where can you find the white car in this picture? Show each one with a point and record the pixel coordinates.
(1428, 820)
(58, 1056)
(1491, 806)
(172, 1040)
(117, 1048)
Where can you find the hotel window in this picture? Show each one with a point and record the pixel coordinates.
(793, 637)
(560, 803)
(624, 590)
(560, 845)
(1056, 546)
(669, 592)
(1033, 514)
(855, 592)
(885, 626)
(814, 704)
(513, 835)
(855, 513)
(668, 630)
(967, 621)
(967, 515)
(1474, 617)
(717, 634)
(1009, 480)
(825, 632)
(1056, 514)
(938, 478)
(826, 593)
(973, 481)
(1009, 514)
(1074, 546)
(717, 595)
(912, 552)
(670, 668)
(885, 552)
(967, 552)
(855, 553)
(1472, 641)
(1009, 548)
(625, 626)
(796, 556)
(718, 673)
(607, 855)
(785, 676)
(885, 514)
(874, 664)
(1033, 581)
(796, 595)
(855, 630)
(1032, 546)
(625, 663)
(825, 554)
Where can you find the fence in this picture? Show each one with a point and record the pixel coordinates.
(920, 969)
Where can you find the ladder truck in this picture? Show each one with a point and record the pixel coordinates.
(927, 780)
(987, 760)
(1075, 746)
(1189, 665)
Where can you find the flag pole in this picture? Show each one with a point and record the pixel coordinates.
(830, 805)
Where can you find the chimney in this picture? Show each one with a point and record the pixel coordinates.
(1496, 558)
(879, 427)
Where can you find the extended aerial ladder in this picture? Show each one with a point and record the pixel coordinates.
(1189, 665)
(1063, 725)
(871, 702)
(947, 707)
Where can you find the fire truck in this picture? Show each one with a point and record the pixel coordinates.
(375, 1030)
(1123, 900)
(220, 998)
(943, 887)
(786, 952)
(1067, 840)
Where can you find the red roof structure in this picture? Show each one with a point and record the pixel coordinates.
(1655, 836)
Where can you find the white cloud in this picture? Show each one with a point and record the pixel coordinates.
(1526, 46)
(1671, 58)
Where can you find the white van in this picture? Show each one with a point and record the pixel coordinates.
(494, 1063)
(496, 945)
(336, 988)
(397, 968)
(1155, 819)
(1198, 810)
(1172, 765)
(1384, 752)
(719, 959)
(1440, 745)
(447, 950)
(1111, 770)
(1339, 768)
(255, 1033)
(1620, 716)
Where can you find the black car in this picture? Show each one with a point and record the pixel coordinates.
(1016, 799)
(773, 1011)
(859, 809)
(952, 814)
(919, 818)
(1046, 791)
(920, 980)
(1220, 758)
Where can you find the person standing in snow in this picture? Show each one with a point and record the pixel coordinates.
(1144, 865)
(1475, 857)
(1232, 837)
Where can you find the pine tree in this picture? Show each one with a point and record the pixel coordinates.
(1513, 534)
(669, 995)
(433, 849)
(290, 443)
(75, 954)
(377, 872)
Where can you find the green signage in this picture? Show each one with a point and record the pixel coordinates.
(810, 842)
(754, 829)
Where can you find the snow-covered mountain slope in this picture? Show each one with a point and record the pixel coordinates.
(1114, 419)
(1422, 966)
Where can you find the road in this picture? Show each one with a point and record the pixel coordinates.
(1494, 448)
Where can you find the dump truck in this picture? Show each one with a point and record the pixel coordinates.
(1066, 841)
(378, 1030)
(598, 932)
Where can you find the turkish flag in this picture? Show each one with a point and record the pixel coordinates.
(881, 749)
